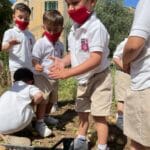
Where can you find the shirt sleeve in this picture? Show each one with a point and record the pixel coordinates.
(7, 37)
(98, 39)
(119, 50)
(36, 52)
(141, 23)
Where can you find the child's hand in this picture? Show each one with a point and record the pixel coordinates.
(38, 68)
(60, 73)
(14, 42)
(58, 63)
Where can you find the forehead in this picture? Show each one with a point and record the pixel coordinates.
(73, 1)
(76, 1)
(19, 12)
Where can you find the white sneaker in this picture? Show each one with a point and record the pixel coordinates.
(51, 121)
(42, 129)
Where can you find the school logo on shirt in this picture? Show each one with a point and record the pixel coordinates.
(84, 45)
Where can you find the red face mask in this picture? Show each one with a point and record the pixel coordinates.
(52, 37)
(22, 25)
(79, 15)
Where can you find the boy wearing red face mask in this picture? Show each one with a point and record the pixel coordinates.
(46, 47)
(88, 45)
(18, 41)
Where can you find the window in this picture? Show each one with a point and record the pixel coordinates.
(51, 5)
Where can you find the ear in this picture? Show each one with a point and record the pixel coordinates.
(93, 2)
(43, 26)
(13, 17)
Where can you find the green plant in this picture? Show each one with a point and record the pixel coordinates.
(116, 18)
(4, 76)
(67, 89)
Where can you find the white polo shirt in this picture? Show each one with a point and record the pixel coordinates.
(20, 54)
(119, 49)
(140, 67)
(43, 48)
(15, 106)
(92, 36)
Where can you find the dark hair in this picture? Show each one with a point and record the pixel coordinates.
(22, 7)
(23, 74)
(52, 18)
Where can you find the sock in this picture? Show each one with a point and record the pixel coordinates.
(102, 146)
(82, 137)
(120, 116)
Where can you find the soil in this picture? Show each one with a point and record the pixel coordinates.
(67, 130)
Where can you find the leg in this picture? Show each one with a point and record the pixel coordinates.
(48, 108)
(48, 119)
(120, 106)
(40, 111)
(80, 141)
(40, 126)
(136, 146)
(52, 97)
(102, 129)
(83, 123)
(119, 116)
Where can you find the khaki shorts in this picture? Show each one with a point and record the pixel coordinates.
(137, 116)
(122, 83)
(96, 96)
(48, 87)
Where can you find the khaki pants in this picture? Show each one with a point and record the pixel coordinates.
(137, 116)
(48, 87)
(122, 83)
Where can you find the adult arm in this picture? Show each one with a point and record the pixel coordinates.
(132, 49)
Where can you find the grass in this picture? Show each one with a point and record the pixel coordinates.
(67, 89)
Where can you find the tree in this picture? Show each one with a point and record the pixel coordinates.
(5, 20)
(116, 18)
(5, 16)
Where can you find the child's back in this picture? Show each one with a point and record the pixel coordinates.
(15, 104)
(16, 111)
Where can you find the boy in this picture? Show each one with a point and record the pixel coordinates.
(122, 81)
(44, 48)
(16, 104)
(88, 45)
(18, 41)
(136, 60)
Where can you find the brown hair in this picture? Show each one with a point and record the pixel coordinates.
(52, 18)
(22, 7)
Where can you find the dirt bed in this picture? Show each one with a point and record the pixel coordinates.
(67, 129)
